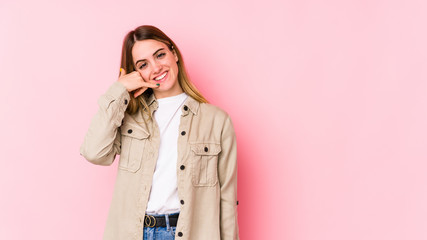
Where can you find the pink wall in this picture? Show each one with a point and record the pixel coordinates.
(328, 98)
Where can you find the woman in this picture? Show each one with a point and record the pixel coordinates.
(177, 173)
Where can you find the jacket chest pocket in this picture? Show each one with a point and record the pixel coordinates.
(204, 163)
(132, 148)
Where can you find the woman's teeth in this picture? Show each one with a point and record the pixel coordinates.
(161, 77)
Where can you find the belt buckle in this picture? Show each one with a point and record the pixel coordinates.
(151, 223)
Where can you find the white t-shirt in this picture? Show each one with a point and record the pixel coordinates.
(164, 191)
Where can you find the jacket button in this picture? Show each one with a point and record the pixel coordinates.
(185, 108)
(182, 202)
(182, 167)
(130, 131)
(126, 101)
(183, 133)
(206, 149)
(180, 234)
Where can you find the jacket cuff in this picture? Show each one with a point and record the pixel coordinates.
(117, 90)
(115, 102)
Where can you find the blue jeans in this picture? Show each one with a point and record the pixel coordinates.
(160, 233)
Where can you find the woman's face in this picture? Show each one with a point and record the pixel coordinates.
(157, 64)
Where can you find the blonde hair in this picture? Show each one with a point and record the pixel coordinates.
(150, 32)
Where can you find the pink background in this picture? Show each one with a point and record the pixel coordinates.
(328, 98)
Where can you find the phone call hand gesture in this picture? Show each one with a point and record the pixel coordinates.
(133, 81)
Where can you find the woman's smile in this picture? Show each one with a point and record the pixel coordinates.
(162, 77)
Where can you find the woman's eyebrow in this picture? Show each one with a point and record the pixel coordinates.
(160, 49)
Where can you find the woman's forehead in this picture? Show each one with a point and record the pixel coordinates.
(146, 48)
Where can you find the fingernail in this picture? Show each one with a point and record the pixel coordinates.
(158, 84)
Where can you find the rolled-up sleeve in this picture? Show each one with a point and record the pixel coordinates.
(102, 141)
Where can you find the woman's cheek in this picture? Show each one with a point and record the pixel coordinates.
(145, 77)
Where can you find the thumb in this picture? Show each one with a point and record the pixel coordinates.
(122, 72)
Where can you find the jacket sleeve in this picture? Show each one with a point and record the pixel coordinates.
(227, 173)
(102, 140)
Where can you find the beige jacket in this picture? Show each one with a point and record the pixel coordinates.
(206, 167)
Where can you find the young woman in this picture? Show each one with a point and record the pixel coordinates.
(177, 173)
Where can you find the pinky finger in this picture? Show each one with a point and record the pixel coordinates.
(139, 91)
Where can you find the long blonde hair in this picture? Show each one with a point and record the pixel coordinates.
(150, 32)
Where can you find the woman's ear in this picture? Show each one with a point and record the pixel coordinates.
(176, 55)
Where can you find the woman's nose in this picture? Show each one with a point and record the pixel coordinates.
(156, 67)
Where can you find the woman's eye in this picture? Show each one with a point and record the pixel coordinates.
(161, 55)
(142, 65)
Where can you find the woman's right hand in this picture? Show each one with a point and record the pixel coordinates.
(134, 81)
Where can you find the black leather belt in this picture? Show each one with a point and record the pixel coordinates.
(160, 221)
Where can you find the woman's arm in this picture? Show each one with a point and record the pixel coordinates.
(102, 140)
(227, 173)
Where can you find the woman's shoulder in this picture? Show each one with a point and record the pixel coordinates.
(211, 109)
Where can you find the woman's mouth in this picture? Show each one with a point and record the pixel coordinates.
(162, 77)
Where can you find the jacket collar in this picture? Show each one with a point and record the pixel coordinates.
(191, 103)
